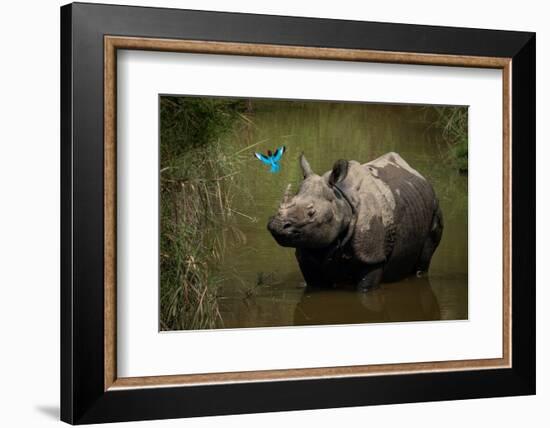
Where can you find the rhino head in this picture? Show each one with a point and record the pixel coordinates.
(317, 215)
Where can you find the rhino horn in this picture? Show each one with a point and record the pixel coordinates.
(288, 194)
(306, 169)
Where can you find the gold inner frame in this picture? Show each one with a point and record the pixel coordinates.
(113, 43)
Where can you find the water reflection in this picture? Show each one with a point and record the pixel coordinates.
(409, 300)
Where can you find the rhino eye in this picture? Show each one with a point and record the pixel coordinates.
(311, 213)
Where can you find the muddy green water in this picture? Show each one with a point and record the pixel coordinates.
(263, 285)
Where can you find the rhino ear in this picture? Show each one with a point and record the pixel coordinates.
(339, 172)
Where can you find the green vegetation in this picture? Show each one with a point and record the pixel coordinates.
(453, 122)
(198, 181)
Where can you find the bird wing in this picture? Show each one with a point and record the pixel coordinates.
(263, 158)
(279, 153)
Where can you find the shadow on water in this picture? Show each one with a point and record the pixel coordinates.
(409, 300)
(262, 285)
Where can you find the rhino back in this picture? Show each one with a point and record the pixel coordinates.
(415, 204)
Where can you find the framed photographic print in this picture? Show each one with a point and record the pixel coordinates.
(266, 213)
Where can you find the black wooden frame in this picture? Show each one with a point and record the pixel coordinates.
(83, 400)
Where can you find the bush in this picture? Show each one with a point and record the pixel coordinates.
(453, 121)
(197, 185)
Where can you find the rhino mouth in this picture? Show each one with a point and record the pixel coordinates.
(285, 233)
(286, 240)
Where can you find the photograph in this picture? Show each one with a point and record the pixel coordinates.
(282, 212)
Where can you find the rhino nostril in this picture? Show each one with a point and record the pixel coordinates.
(287, 225)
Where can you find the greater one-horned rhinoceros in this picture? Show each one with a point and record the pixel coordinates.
(368, 223)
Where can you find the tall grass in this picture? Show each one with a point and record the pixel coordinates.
(453, 122)
(197, 186)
